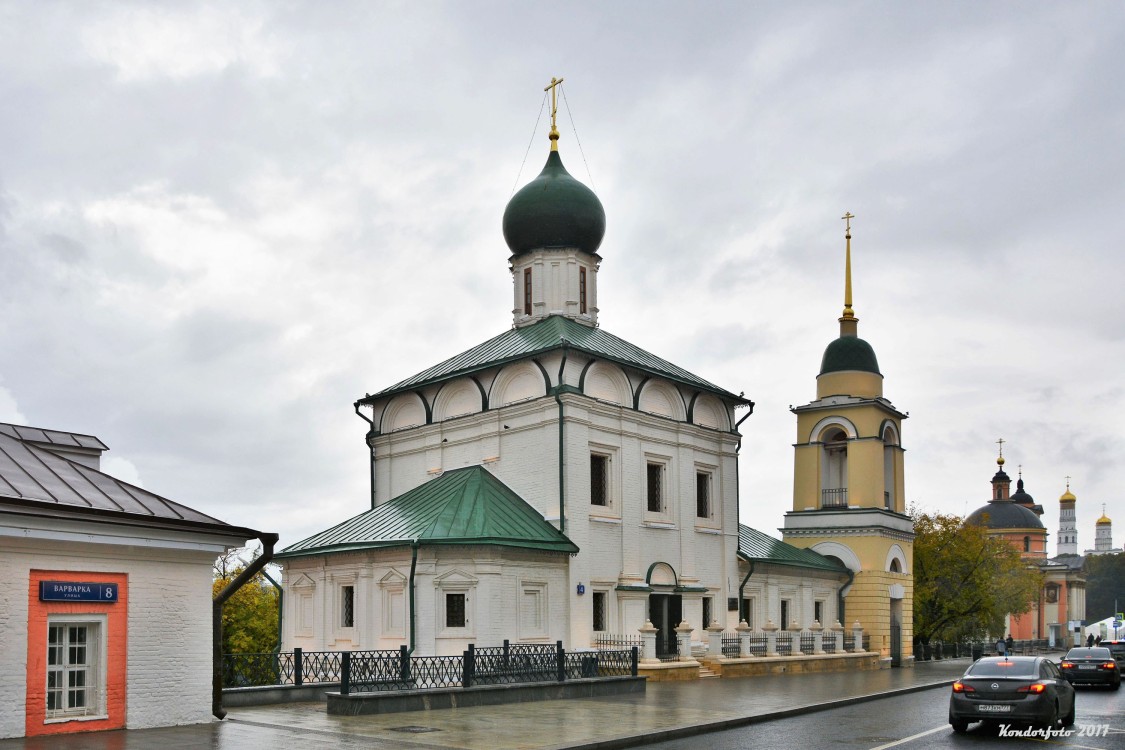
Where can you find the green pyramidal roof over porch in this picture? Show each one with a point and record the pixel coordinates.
(756, 546)
(462, 506)
(548, 334)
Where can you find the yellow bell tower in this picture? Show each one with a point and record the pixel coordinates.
(848, 489)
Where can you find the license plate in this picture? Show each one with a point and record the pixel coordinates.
(994, 708)
(1086, 666)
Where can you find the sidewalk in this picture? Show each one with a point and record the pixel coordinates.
(664, 711)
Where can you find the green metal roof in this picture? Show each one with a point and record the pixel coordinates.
(544, 336)
(849, 353)
(754, 545)
(462, 506)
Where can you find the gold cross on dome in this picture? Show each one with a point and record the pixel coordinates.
(1001, 442)
(847, 217)
(553, 87)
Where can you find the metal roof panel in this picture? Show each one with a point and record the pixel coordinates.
(462, 506)
(548, 334)
(754, 545)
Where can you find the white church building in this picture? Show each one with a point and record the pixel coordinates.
(555, 482)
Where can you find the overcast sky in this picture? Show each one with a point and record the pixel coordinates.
(220, 224)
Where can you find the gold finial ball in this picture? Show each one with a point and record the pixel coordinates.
(1000, 461)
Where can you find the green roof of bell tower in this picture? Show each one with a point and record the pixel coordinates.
(849, 353)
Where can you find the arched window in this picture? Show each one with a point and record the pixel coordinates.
(1027, 544)
(890, 441)
(834, 470)
(896, 567)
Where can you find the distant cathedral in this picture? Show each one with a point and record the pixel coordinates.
(1058, 611)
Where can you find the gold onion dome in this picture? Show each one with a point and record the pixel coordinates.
(1067, 496)
(1103, 520)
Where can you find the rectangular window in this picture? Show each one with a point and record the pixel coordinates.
(599, 611)
(784, 614)
(527, 291)
(72, 670)
(582, 290)
(702, 494)
(599, 480)
(655, 488)
(455, 610)
(818, 612)
(708, 616)
(347, 606)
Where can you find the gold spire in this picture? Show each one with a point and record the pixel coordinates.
(1000, 458)
(554, 135)
(848, 320)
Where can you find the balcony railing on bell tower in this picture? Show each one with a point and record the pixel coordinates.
(834, 498)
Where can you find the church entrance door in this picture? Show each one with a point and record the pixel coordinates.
(665, 611)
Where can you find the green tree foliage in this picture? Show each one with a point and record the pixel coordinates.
(1105, 584)
(965, 581)
(250, 615)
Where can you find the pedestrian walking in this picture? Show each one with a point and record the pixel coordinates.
(1001, 647)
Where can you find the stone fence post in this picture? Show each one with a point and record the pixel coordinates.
(771, 638)
(683, 641)
(857, 636)
(744, 632)
(715, 640)
(648, 642)
(818, 637)
(838, 633)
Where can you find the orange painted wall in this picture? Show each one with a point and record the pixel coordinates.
(117, 632)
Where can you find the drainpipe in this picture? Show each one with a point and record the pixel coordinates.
(737, 510)
(742, 587)
(562, 473)
(413, 566)
(370, 432)
(280, 606)
(840, 597)
(268, 541)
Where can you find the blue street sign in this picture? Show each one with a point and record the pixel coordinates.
(75, 591)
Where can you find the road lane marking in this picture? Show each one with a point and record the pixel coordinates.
(911, 738)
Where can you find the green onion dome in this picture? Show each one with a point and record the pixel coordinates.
(554, 210)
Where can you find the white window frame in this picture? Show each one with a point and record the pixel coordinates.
(455, 582)
(96, 671)
(751, 609)
(393, 592)
(304, 606)
(344, 606)
(607, 506)
(666, 513)
(604, 593)
(539, 591)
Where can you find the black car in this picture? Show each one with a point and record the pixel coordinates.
(1012, 689)
(1117, 650)
(1092, 666)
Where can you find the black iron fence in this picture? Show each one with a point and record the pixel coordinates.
(369, 671)
(616, 641)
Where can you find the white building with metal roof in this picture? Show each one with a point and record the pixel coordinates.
(106, 612)
(630, 459)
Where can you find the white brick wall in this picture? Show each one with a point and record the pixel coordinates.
(169, 638)
(519, 444)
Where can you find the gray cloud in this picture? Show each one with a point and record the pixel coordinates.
(219, 225)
